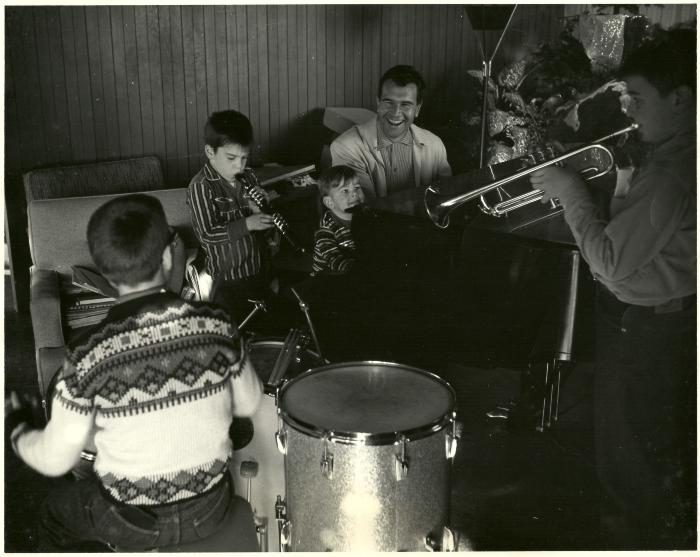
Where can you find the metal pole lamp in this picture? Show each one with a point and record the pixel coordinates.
(488, 18)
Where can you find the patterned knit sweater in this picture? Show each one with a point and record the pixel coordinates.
(334, 248)
(158, 373)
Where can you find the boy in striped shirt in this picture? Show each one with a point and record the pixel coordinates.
(334, 248)
(228, 225)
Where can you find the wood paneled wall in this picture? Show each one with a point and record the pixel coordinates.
(86, 83)
(91, 83)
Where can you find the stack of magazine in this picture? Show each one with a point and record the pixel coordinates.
(88, 298)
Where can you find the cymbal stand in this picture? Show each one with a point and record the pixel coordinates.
(258, 305)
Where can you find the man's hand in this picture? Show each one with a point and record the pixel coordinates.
(556, 182)
(259, 221)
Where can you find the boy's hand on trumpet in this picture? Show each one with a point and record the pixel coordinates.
(560, 182)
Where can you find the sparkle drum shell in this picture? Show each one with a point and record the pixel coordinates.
(367, 460)
(262, 449)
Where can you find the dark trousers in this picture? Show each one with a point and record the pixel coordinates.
(645, 416)
(81, 512)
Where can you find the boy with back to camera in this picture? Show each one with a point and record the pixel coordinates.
(228, 225)
(159, 381)
(644, 258)
(334, 248)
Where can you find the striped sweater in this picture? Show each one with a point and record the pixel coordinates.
(218, 211)
(158, 375)
(334, 248)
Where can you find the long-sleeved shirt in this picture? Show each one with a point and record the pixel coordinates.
(334, 248)
(158, 381)
(398, 160)
(645, 253)
(218, 211)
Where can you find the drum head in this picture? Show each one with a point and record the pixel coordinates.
(367, 402)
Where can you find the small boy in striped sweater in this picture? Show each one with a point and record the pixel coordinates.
(334, 248)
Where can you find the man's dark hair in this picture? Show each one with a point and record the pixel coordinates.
(403, 75)
(228, 126)
(127, 236)
(666, 61)
(334, 177)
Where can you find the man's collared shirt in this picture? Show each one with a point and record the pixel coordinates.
(398, 160)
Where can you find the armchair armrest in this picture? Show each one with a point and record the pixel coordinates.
(45, 308)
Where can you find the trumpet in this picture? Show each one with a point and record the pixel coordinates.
(250, 184)
(591, 161)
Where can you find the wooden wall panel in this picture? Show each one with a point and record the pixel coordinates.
(87, 83)
(102, 82)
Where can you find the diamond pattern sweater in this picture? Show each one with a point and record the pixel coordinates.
(158, 375)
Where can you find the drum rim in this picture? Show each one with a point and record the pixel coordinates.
(354, 438)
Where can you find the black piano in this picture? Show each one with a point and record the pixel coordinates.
(472, 293)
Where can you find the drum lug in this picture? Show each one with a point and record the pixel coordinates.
(327, 460)
(401, 461)
(451, 438)
(281, 438)
(283, 525)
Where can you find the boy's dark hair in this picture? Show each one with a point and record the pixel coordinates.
(334, 177)
(228, 126)
(667, 61)
(127, 236)
(403, 75)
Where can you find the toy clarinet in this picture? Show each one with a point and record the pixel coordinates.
(250, 184)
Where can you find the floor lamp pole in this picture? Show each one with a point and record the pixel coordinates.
(486, 67)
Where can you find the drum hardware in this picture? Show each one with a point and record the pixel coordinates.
(286, 356)
(439, 203)
(305, 309)
(327, 459)
(401, 460)
(447, 543)
(258, 305)
(281, 436)
(249, 470)
(452, 438)
(283, 525)
(264, 354)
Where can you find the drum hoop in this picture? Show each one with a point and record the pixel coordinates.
(370, 439)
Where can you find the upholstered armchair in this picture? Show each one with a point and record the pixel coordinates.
(57, 241)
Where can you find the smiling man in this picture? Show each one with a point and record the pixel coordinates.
(391, 155)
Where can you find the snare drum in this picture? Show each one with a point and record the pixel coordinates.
(368, 452)
(262, 450)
